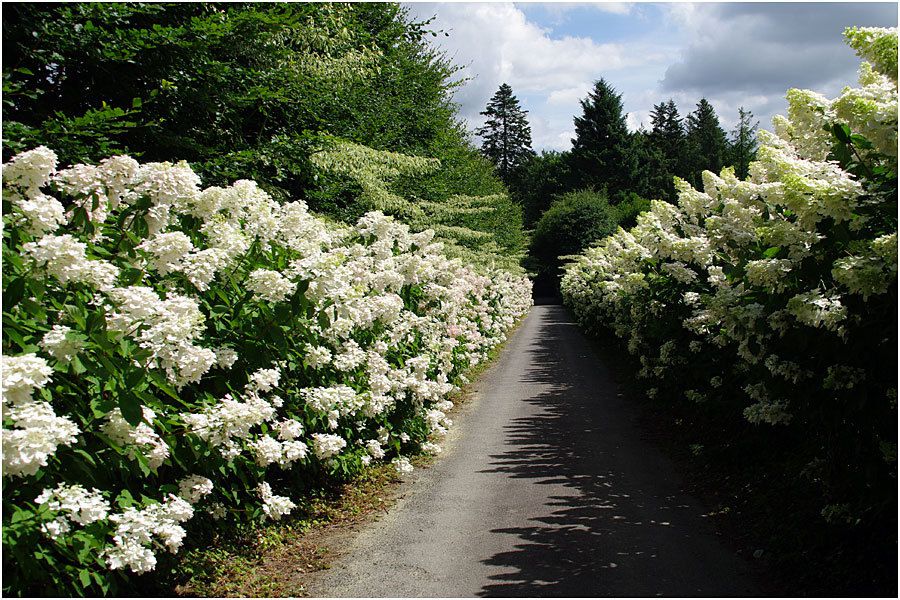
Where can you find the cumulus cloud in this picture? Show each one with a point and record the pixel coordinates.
(732, 54)
(496, 43)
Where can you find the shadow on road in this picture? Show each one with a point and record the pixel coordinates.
(626, 529)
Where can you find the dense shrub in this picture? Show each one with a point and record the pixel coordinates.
(628, 208)
(571, 224)
(237, 89)
(775, 298)
(173, 356)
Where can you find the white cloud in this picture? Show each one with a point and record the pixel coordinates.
(732, 54)
(496, 43)
(569, 96)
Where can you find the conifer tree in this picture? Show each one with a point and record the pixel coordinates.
(666, 140)
(602, 153)
(742, 149)
(506, 133)
(667, 132)
(654, 177)
(707, 142)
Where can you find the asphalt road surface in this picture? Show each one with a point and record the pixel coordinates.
(545, 488)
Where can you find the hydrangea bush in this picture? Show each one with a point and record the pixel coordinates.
(777, 295)
(174, 355)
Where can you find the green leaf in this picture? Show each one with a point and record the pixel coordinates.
(14, 292)
(841, 132)
(85, 577)
(130, 405)
(21, 515)
(86, 456)
(135, 103)
(771, 252)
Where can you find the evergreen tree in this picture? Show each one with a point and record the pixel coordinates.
(537, 182)
(668, 132)
(506, 134)
(666, 141)
(602, 153)
(654, 175)
(707, 142)
(742, 149)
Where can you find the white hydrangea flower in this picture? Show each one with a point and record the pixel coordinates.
(167, 250)
(64, 258)
(57, 343)
(194, 487)
(225, 357)
(43, 214)
(22, 375)
(401, 464)
(31, 169)
(316, 356)
(326, 445)
(37, 434)
(141, 438)
(431, 448)
(374, 448)
(274, 506)
(269, 285)
(817, 309)
(229, 420)
(264, 380)
(136, 529)
(289, 429)
(267, 450)
(81, 506)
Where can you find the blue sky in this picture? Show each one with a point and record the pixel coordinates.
(733, 54)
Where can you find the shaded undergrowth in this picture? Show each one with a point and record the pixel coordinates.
(748, 476)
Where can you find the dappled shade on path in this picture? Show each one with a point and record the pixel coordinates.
(625, 529)
(547, 487)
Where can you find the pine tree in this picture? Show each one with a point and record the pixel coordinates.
(666, 140)
(602, 151)
(506, 133)
(742, 149)
(707, 142)
(667, 133)
(654, 176)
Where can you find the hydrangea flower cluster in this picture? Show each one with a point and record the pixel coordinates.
(214, 347)
(799, 261)
(738, 241)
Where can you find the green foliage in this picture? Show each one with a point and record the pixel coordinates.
(536, 183)
(706, 143)
(573, 222)
(743, 145)
(506, 133)
(240, 90)
(628, 208)
(486, 229)
(601, 151)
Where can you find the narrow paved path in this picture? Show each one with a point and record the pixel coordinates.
(545, 488)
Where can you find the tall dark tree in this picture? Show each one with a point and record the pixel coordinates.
(506, 133)
(654, 174)
(602, 153)
(535, 184)
(707, 142)
(666, 140)
(743, 143)
(667, 132)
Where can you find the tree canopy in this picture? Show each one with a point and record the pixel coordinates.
(506, 133)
